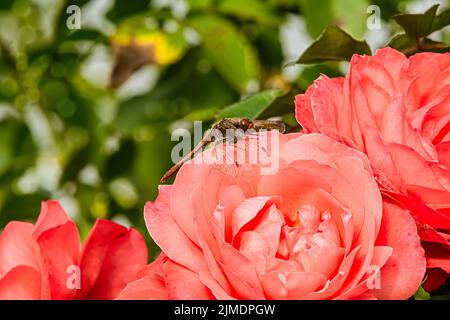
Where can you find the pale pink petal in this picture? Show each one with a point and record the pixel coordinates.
(239, 265)
(217, 290)
(273, 286)
(299, 284)
(168, 234)
(145, 288)
(183, 284)
(247, 210)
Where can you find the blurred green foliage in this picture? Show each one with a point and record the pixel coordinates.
(86, 115)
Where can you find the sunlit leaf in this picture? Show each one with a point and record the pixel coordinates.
(421, 294)
(228, 50)
(199, 4)
(263, 105)
(350, 15)
(249, 9)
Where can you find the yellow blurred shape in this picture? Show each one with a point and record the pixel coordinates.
(165, 50)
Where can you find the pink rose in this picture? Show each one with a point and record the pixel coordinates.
(46, 261)
(316, 229)
(397, 111)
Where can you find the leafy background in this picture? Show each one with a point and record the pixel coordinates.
(86, 115)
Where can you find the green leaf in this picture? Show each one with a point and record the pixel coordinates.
(228, 51)
(333, 45)
(350, 15)
(263, 105)
(421, 25)
(199, 4)
(318, 14)
(203, 114)
(249, 10)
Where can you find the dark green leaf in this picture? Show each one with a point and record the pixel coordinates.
(6, 4)
(441, 21)
(281, 106)
(408, 45)
(333, 45)
(121, 161)
(269, 48)
(421, 25)
(21, 207)
(402, 42)
(387, 8)
(312, 72)
(122, 9)
(86, 34)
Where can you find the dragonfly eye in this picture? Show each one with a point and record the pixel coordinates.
(245, 124)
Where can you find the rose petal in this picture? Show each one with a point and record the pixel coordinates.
(113, 256)
(183, 284)
(399, 280)
(17, 247)
(168, 234)
(21, 283)
(60, 250)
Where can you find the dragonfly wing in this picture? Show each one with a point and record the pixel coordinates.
(224, 159)
(253, 149)
(228, 169)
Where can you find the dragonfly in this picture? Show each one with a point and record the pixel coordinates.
(223, 127)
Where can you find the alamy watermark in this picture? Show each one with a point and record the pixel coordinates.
(73, 21)
(374, 20)
(73, 281)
